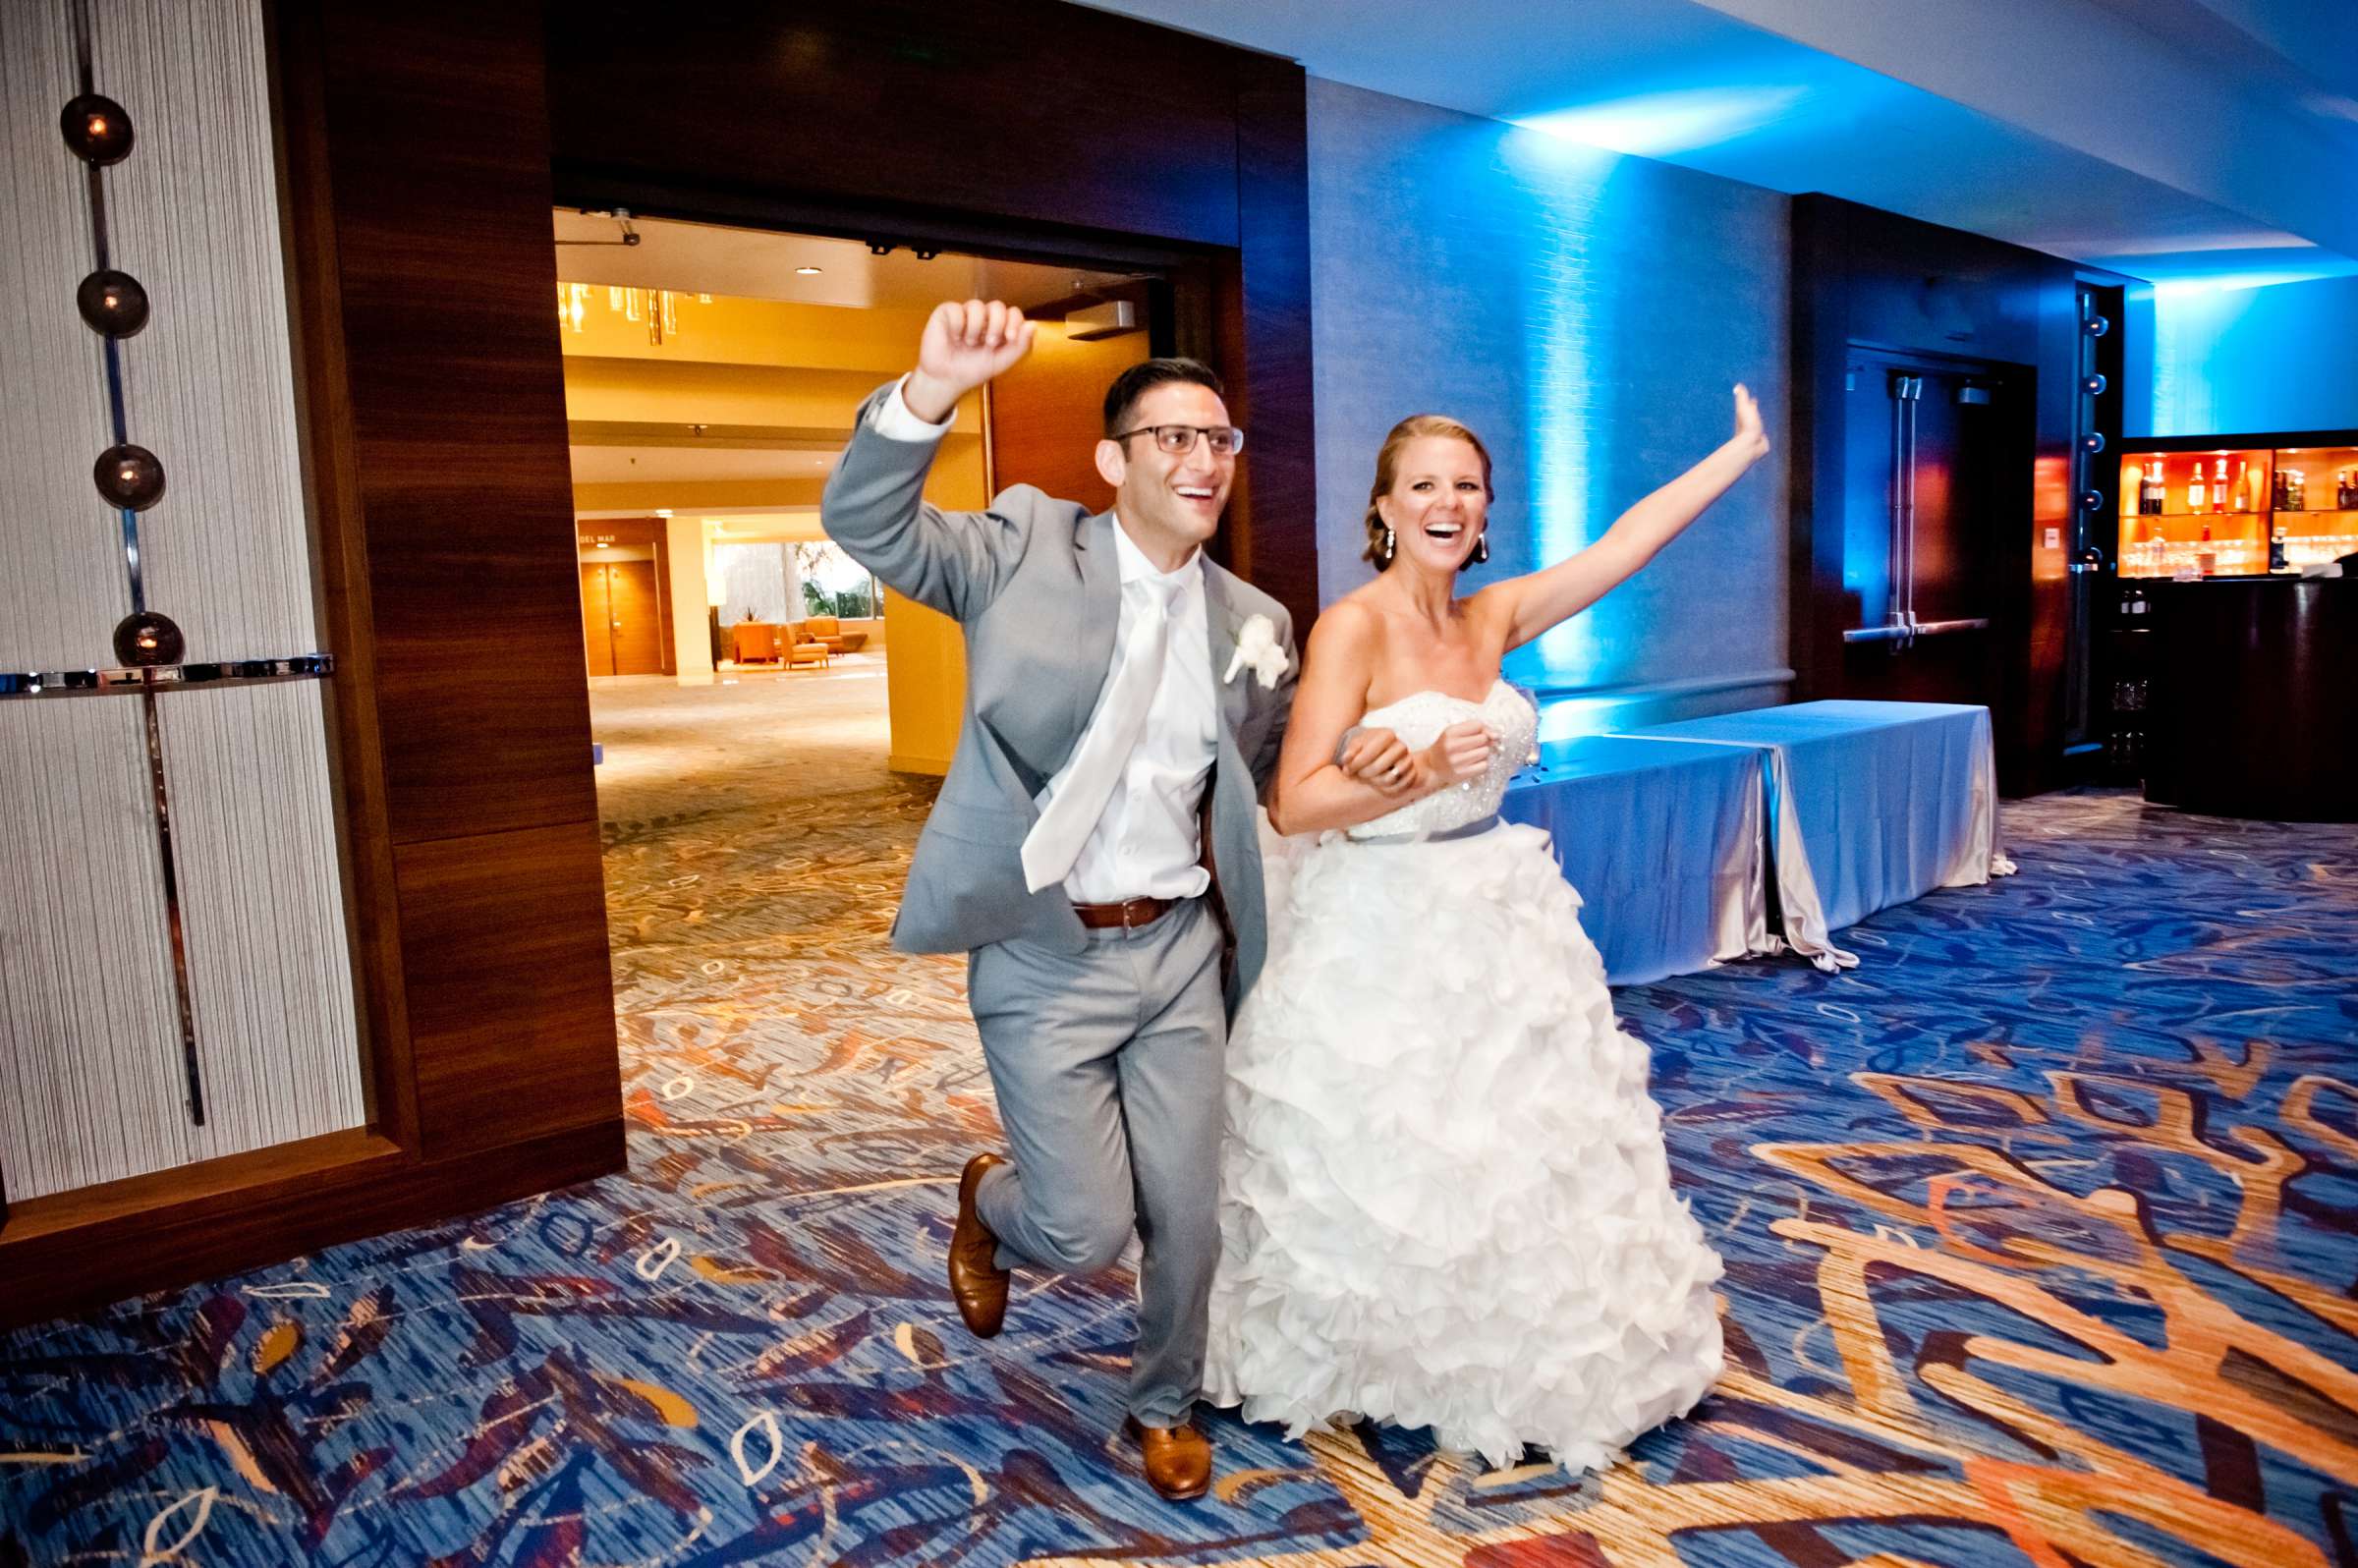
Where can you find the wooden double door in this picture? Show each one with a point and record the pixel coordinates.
(622, 618)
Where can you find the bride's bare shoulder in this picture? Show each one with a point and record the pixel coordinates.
(1352, 620)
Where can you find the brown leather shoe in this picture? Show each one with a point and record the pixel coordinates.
(977, 1284)
(1178, 1459)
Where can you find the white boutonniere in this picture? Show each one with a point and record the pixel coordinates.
(1257, 648)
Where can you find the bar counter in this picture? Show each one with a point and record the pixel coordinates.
(2256, 697)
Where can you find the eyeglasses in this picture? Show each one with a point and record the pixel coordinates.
(1225, 440)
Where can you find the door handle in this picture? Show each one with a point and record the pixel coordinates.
(1916, 628)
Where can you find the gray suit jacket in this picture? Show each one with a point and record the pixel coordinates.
(1036, 585)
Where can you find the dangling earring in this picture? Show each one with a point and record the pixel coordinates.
(1482, 546)
(1389, 545)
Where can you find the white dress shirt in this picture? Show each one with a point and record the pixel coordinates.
(1149, 842)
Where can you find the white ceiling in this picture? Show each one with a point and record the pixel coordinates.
(2173, 140)
(757, 264)
(707, 258)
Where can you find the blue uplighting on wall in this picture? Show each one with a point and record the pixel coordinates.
(1661, 125)
(1585, 311)
(1568, 187)
(2230, 359)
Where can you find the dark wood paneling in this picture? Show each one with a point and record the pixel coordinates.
(2252, 711)
(1023, 109)
(1277, 539)
(1028, 126)
(515, 1036)
(79, 1251)
(437, 156)
(1864, 277)
(2038, 644)
(1817, 610)
(340, 560)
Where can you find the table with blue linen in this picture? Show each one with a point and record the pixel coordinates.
(1869, 805)
(1664, 843)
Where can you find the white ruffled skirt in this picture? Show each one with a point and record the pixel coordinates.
(1444, 1199)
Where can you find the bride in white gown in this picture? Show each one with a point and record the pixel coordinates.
(1444, 1199)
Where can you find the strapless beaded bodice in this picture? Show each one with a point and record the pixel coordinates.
(1419, 719)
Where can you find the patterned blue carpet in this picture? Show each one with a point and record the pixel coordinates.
(2041, 1229)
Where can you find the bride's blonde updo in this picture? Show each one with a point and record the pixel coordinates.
(1387, 472)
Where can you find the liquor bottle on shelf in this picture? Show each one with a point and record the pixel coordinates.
(2275, 550)
(2277, 495)
(2205, 555)
(2296, 490)
(2218, 486)
(2345, 489)
(2152, 493)
(2198, 494)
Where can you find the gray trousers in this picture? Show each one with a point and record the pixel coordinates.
(1110, 1069)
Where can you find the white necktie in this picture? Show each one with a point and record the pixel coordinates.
(1055, 841)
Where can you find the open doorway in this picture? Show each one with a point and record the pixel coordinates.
(764, 768)
(711, 378)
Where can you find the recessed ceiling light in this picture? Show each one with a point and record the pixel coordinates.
(806, 272)
(663, 511)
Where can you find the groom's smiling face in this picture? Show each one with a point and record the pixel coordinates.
(1174, 500)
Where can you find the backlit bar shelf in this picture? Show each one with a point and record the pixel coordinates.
(2238, 506)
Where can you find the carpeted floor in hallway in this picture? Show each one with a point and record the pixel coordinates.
(2041, 1229)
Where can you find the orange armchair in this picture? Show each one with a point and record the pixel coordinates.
(754, 642)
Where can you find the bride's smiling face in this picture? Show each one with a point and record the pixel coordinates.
(1440, 503)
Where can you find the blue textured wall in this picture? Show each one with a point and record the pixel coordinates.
(1587, 313)
(2278, 358)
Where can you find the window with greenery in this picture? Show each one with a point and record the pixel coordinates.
(833, 583)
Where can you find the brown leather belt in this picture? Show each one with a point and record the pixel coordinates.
(1130, 914)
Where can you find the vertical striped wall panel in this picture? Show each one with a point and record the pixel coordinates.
(269, 972)
(209, 386)
(92, 1083)
(89, 1033)
(62, 589)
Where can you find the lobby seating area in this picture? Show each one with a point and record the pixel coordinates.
(793, 644)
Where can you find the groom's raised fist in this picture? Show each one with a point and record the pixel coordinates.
(964, 346)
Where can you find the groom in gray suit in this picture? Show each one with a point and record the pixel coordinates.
(1124, 703)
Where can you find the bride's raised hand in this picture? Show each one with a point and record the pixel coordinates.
(1751, 438)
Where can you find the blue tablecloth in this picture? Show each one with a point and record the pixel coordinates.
(1662, 841)
(1869, 805)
